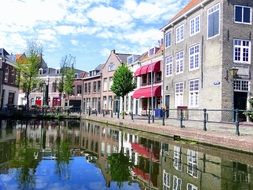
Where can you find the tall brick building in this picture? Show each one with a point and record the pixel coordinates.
(203, 42)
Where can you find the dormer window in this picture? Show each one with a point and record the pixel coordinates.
(130, 59)
(57, 71)
(152, 51)
(40, 71)
(111, 67)
(76, 75)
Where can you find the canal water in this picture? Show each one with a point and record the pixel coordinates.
(70, 155)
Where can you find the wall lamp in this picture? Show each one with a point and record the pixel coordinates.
(232, 72)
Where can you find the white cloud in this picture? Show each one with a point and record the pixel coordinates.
(109, 16)
(74, 42)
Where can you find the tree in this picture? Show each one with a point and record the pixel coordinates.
(67, 71)
(28, 69)
(123, 83)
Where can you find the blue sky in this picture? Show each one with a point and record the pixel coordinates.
(86, 29)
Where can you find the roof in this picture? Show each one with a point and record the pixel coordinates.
(188, 7)
(123, 57)
(99, 67)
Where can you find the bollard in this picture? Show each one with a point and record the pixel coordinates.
(181, 118)
(153, 118)
(237, 122)
(163, 117)
(149, 116)
(205, 120)
(96, 112)
(111, 114)
(118, 114)
(103, 113)
(89, 111)
(132, 116)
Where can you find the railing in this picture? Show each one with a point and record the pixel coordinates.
(204, 119)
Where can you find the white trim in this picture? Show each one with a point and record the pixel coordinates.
(178, 61)
(167, 66)
(193, 187)
(242, 15)
(218, 4)
(170, 31)
(199, 57)
(241, 53)
(179, 34)
(194, 25)
(194, 92)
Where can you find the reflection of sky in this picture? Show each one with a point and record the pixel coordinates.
(79, 174)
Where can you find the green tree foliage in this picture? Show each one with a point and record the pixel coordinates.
(119, 168)
(123, 83)
(28, 69)
(67, 71)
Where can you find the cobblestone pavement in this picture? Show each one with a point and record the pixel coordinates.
(218, 134)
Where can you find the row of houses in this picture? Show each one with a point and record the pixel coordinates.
(204, 61)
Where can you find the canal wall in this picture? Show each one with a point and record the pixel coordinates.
(217, 138)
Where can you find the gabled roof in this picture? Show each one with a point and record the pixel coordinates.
(191, 5)
(122, 57)
(188, 7)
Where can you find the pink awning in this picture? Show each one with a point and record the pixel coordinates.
(147, 92)
(153, 67)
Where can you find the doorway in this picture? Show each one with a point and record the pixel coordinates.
(240, 102)
(167, 105)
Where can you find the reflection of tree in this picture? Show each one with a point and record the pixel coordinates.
(25, 162)
(119, 168)
(62, 155)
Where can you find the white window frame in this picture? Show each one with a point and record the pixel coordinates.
(105, 84)
(241, 51)
(208, 13)
(180, 33)
(194, 93)
(195, 57)
(166, 39)
(179, 62)
(177, 182)
(168, 66)
(179, 94)
(241, 85)
(193, 187)
(166, 180)
(177, 159)
(192, 163)
(242, 14)
(194, 29)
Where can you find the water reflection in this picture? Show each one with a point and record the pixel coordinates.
(74, 155)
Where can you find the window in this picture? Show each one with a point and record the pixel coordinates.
(191, 187)
(98, 86)
(194, 93)
(105, 84)
(192, 163)
(179, 62)
(213, 21)
(177, 158)
(110, 83)
(94, 86)
(168, 66)
(130, 59)
(179, 90)
(111, 67)
(194, 57)
(54, 87)
(85, 88)
(89, 87)
(79, 89)
(40, 71)
(194, 25)
(242, 51)
(179, 33)
(241, 85)
(243, 14)
(176, 183)
(166, 180)
(168, 39)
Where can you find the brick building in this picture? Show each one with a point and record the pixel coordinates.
(203, 43)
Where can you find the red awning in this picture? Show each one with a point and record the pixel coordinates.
(144, 152)
(146, 92)
(153, 67)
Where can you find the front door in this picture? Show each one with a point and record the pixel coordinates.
(240, 102)
(167, 104)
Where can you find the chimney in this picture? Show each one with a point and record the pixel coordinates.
(113, 51)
